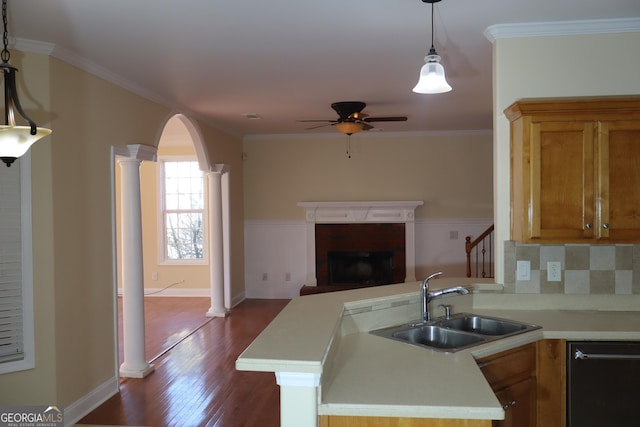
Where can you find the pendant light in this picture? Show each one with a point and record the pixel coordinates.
(14, 140)
(432, 79)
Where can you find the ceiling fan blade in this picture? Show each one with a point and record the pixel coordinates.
(317, 121)
(320, 126)
(385, 119)
(366, 126)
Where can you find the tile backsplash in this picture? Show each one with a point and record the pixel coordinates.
(585, 269)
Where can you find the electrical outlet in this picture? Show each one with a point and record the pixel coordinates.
(524, 270)
(554, 271)
(287, 277)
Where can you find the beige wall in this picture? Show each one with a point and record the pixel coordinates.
(74, 290)
(452, 174)
(545, 67)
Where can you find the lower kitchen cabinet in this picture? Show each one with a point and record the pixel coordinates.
(512, 376)
(348, 421)
(551, 377)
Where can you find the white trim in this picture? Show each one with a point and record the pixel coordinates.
(238, 299)
(28, 360)
(297, 379)
(562, 28)
(51, 49)
(360, 211)
(90, 401)
(115, 153)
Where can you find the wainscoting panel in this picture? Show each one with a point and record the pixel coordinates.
(275, 252)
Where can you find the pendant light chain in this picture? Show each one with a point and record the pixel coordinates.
(5, 55)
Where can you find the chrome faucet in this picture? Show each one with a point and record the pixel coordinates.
(427, 296)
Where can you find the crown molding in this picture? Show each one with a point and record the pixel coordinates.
(562, 28)
(84, 64)
(72, 58)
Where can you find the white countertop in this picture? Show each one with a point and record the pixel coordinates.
(363, 374)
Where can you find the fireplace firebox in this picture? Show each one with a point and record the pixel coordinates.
(360, 254)
(360, 268)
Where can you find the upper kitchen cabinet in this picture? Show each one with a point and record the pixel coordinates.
(575, 170)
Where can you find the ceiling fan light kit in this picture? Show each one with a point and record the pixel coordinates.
(349, 128)
(432, 77)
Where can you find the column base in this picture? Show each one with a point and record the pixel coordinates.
(217, 312)
(141, 372)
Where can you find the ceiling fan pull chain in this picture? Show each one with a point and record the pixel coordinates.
(349, 146)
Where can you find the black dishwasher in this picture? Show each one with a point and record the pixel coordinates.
(603, 384)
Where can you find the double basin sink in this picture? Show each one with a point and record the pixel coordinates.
(460, 331)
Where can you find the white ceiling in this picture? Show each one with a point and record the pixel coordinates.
(288, 60)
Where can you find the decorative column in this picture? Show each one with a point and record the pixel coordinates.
(216, 247)
(298, 398)
(134, 364)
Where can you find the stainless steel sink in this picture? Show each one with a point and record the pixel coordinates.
(459, 332)
(484, 325)
(435, 336)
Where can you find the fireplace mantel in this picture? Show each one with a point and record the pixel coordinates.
(358, 212)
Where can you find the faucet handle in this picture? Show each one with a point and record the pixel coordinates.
(447, 310)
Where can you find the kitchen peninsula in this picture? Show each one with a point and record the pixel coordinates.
(330, 368)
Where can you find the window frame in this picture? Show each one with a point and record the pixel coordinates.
(28, 335)
(162, 229)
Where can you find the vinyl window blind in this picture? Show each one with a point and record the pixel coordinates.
(11, 290)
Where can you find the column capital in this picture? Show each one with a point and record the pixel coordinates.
(297, 379)
(137, 152)
(219, 169)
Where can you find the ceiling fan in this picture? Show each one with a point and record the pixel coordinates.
(351, 119)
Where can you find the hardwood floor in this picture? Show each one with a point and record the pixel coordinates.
(167, 321)
(195, 383)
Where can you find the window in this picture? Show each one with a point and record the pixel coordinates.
(183, 211)
(16, 287)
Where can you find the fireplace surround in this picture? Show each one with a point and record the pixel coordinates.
(366, 229)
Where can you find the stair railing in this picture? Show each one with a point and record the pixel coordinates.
(481, 250)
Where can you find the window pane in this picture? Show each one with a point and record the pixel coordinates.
(184, 235)
(183, 204)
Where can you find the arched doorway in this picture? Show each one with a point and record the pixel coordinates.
(179, 143)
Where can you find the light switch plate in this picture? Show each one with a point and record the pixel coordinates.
(523, 271)
(554, 271)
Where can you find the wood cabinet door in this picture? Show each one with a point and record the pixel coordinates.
(619, 183)
(519, 403)
(562, 194)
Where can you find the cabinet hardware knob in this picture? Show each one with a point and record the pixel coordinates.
(605, 225)
(509, 405)
(588, 226)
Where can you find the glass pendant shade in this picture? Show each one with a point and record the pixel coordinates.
(16, 140)
(349, 128)
(432, 78)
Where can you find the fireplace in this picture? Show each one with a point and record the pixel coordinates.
(369, 243)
